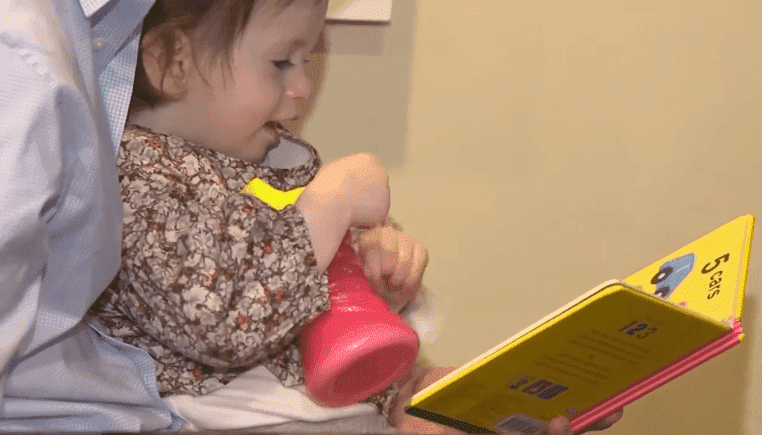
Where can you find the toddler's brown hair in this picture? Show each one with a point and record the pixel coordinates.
(212, 24)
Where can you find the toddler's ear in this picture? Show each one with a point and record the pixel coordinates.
(167, 72)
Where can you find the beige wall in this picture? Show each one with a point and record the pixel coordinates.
(541, 147)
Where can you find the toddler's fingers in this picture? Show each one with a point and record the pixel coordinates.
(389, 247)
(370, 248)
(420, 260)
(372, 263)
(404, 263)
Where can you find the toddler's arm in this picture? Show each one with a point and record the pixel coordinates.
(351, 191)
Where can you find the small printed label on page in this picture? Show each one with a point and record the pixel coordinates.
(520, 424)
(541, 388)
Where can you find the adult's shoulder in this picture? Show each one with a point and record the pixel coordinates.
(41, 34)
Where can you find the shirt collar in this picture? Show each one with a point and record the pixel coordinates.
(92, 6)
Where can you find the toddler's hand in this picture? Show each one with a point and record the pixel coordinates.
(394, 262)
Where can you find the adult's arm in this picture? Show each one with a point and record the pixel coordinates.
(30, 176)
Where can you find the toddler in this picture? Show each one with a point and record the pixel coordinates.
(215, 283)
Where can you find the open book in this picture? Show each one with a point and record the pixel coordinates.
(607, 348)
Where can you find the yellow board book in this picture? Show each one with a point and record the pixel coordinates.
(608, 347)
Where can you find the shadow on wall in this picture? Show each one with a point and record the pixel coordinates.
(362, 76)
(742, 380)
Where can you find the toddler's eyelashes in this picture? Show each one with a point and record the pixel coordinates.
(281, 64)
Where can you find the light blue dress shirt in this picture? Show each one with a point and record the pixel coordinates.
(66, 74)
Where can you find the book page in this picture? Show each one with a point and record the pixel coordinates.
(579, 358)
(526, 332)
(707, 276)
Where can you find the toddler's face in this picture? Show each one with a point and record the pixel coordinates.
(234, 113)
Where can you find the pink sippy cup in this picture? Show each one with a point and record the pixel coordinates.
(359, 347)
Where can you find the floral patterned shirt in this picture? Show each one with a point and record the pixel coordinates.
(213, 281)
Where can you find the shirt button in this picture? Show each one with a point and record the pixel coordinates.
(98, 43)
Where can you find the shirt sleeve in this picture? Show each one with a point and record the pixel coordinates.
(30, 168)
(212, 274)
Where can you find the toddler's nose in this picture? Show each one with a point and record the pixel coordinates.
(300, 87)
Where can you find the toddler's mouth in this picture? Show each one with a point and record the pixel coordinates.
(274, 128)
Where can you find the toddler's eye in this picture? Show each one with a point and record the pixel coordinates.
(282, 64)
